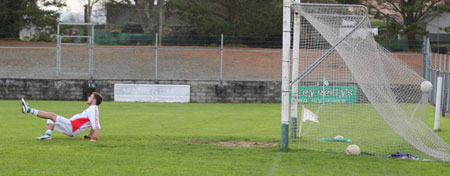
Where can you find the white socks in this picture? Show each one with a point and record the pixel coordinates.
(48, 132)
(33, 111)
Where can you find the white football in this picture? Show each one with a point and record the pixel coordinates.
(353, 150)
(426, 86)
(339, 137)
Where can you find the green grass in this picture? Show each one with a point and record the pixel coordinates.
(156, 139)
(363, 124)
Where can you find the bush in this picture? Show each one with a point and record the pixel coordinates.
(43, 37)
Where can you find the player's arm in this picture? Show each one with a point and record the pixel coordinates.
(95, 128)
(95, 134)
(91, 132)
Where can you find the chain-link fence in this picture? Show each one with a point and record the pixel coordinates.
(120, 56)
(438, 66)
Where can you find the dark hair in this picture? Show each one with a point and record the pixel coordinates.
(98, 98)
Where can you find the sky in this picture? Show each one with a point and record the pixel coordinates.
(75, 6)
(78, 5)
(74, 11)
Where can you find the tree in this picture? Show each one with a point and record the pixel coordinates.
(18, 14)
(236, 17)
(231, 17)
(89, 4)
(144, 13)
(412, 12)
(149, 13)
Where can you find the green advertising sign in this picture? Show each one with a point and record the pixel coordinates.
(327, 94)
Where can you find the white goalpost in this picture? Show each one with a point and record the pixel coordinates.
(351, 89)
(285, 73)
(295, 62)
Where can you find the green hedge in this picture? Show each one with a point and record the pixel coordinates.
(112, 38)
(400, 45)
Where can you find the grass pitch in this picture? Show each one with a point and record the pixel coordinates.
(170, 139)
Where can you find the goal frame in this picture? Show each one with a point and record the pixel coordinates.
(289, 81)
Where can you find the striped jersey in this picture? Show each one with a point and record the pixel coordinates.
(82, 121)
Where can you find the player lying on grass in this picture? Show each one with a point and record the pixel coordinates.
(73, 126)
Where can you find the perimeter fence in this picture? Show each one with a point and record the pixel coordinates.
(150, 57)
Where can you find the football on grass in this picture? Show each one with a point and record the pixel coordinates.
(353, 150)
(339, 137)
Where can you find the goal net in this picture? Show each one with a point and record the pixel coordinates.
(358, 90)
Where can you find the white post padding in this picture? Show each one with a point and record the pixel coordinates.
(295, 63)
(285, 73)
(437, 112)
(286, 61)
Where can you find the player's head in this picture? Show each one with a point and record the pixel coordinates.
(95, 99)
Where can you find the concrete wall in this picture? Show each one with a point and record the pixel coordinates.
(201, 91)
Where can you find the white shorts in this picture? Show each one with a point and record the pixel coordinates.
(62, 125)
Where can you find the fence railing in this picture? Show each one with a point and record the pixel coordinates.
(437, 65)
(149, 62)
(105, 37)
(183, 61)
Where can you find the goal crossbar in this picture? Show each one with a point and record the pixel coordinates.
(327, 53)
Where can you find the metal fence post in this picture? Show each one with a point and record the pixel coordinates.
(91, 53)
(435, 75)
(444, 86)
(427, 58)
(435, 62)
(58, 54)
(156, 56)
(221, 57)
(425, 54)
(447, 82)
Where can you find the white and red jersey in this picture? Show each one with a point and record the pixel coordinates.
(82, 121)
